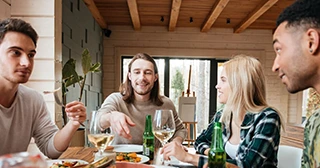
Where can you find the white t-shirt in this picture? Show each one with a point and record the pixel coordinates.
(231, 149)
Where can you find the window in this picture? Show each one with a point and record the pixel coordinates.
(199, 86)
(173, 76)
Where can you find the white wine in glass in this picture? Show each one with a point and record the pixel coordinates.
(163, 125)
(100, 138)
(163, 135)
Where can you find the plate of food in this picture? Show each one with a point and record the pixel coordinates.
(126, 148)
(131, 157)
(65, 163)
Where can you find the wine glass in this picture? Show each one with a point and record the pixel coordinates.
(99, 137)
(163, 125)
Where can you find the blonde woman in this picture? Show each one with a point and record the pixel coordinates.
(251, 128)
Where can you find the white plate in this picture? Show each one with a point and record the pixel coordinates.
(51, 162)
(144, 159)
(126, 148)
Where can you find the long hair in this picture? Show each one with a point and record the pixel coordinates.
(17, 25)
(126, 88)
(247, 84)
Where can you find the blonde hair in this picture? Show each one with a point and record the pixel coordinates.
(247, 83)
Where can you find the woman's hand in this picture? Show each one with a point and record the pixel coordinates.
(174, 149)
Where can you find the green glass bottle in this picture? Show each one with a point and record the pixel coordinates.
(148, 139)
(217, 155)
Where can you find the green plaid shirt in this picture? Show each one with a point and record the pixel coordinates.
(311, 151)
(260, 136)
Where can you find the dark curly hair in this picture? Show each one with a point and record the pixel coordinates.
(302, 13)
(17, 25)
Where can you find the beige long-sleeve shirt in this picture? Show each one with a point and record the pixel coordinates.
(27, 117)
(137, 111)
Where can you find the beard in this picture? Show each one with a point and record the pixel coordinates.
(142, 91)
(301, 78)
(15, 78)
(24, 79)
(301, 70)
(298, 84)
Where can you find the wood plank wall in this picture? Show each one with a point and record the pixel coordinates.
(293, 136)
(81, 31)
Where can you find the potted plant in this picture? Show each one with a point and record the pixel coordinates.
(71, 77)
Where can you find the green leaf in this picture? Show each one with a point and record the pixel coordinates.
(95, 67)
(69, 69)
(86, 61)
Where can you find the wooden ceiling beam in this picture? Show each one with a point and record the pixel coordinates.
(264, 6)
(133, 9)
(175, 9)
(96, 14)
(215, 12)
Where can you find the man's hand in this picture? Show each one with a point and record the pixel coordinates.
(120, 124)
(76, 112)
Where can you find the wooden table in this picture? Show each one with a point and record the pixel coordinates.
(87, 154)
(83, 153)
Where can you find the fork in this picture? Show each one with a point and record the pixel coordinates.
(57, 99)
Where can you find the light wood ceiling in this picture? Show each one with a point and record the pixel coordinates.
(205, 14)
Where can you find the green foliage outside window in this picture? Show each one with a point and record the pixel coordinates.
(177, 83)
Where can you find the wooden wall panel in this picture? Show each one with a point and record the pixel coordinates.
(293, 136)
(45, 48)
(43, 70)
(4, 10)
(81, 31)
(44, 26)
(33, 8)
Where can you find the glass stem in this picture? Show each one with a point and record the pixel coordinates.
(163, 143)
